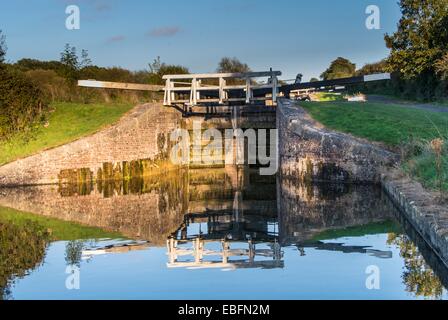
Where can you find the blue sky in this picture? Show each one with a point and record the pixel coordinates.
(288, 35)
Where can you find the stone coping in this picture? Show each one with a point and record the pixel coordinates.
(422, 210)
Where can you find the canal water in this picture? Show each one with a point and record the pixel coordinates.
(211, 234)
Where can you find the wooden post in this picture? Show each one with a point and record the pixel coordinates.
(248, 91)
(171, 250)
(193, 93)
(251, 251)
(173, 94)
(197, 250)
(167, 98)
(198, 92)
(274, 81)
(277, 251)
(119, 85)
(222, 92)
(225, 251)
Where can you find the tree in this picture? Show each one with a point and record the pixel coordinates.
(418, 277)
(73, 253)
(155, 66)
(421, 38)
(3, 47)
(69, 57)
(25, 65)
(314, 79)
(72, 63)
(158, 69)
(166, 69)
(85, 60)
(339, 68)
(16, 259)
(232, 65)
(442, 67)
(372, 68)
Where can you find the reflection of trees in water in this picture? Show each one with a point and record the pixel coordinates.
(73, 253)
(418, 276)
(22, 248)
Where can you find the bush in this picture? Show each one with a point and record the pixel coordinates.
(22, 104)
(426, 88)
(54, 87)
(57, 80)
(57, 89)
(25, 65)
(422, 163)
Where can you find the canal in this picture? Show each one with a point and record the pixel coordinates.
(224, 233)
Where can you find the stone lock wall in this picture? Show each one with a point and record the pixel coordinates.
(143, 133)
(307, 150)
(310, 152)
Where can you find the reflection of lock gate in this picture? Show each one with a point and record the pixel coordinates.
(198, 253)
(227, 226)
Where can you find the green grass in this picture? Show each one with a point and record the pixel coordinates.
(443, 104)
(398, 100)
(68, 122)
(329, 96)
(383, 227)
(379, 122)
(60, 230)
(423, 167)
(396, 126)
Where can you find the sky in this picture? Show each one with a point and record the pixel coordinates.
(293, 36)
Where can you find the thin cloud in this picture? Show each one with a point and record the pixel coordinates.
(115, 39)
(97, 5)
(100, 7)
(164, 32)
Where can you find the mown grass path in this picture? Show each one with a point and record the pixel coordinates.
(435, 107)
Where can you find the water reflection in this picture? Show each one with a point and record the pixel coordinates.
(306, 208)
(424, 275)
(22, 248)
(220, 219)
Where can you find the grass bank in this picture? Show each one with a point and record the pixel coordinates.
(67, 122)
(58, 229)
(389, 226)
(379, 122)
(328, 96)
(403, 129)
